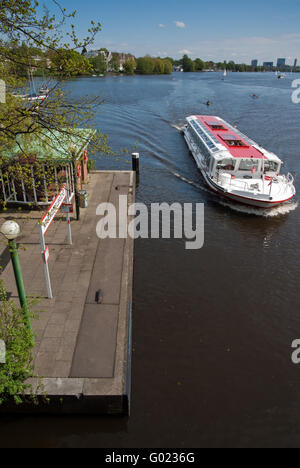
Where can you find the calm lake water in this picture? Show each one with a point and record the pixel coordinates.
(212, 329)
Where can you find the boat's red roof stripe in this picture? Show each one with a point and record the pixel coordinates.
(237, 152)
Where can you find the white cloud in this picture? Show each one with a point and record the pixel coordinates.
(184, 52)
(179, 24)
(161, 25)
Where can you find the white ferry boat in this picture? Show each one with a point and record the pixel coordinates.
(235, 166)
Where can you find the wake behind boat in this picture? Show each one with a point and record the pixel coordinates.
(235, 166)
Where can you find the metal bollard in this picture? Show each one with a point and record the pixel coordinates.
(136, 162)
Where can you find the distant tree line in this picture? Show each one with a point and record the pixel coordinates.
(143, 65)
(198, 65)
(153, 66)
(69, 63)
(40, 62)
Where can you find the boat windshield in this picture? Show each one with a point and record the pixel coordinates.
(249, 165)
(227, 164)
(271, 166)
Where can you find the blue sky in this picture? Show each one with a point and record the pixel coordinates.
(212, 29)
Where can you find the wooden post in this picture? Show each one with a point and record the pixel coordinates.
(136, 167)
(136, 162)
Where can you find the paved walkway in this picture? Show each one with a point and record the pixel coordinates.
(82, 348)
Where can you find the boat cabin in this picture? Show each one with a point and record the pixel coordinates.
(222, 148)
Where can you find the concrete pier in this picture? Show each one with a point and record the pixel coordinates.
(83, 339)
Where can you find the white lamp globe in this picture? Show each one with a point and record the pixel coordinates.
(10, 229)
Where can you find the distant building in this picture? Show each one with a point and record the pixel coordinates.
(114, 60)
(40, 61)
(92, 54)
(295, 63)
(268, 64)
(117, 59)
(254, 63)
(281, 62)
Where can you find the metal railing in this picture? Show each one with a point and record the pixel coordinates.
(285, 181)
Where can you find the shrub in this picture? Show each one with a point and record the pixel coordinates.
(18, 341)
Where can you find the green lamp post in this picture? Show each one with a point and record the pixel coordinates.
(11, 230)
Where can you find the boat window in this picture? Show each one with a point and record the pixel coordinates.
(270, 166)
(209, 141)
(227, 164)
(216, 126)
(249, 165)
(232, 140)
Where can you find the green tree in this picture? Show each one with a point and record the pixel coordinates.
(145, 66)
(18, 339)
(153, 66)
(167, 67)
(221, 65)
(114, 64)
(24, 33)
(210, 65)
(231, 66)
(199, 65)
(187, 64)
(99, 64)
(69, 63)
(169, 59)
(129, 67)
(25, 58)
(158, 66)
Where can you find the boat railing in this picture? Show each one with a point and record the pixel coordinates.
(290, 179)
(287, 182)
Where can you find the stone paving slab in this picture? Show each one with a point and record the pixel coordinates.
(75, 337)
(94, 356)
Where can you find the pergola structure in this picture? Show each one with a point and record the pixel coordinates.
(34, 170)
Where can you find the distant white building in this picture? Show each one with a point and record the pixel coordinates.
(177, 69)
(92, 54)
(37, 62)
(114, 60)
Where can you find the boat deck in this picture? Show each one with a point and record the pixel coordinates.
(258, 187)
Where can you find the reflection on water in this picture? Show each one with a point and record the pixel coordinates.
(212, 328)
